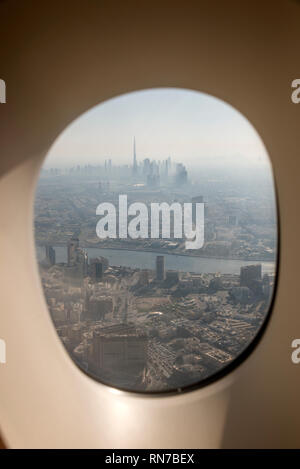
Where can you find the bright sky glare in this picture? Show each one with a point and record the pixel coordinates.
(191, 127)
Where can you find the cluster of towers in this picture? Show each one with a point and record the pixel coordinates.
(77, 257)
(155, 172)
(78, 265)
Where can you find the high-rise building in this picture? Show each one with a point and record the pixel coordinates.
(146, 167)
(77, 266)
(196, 200)
(181, 176)
(134, 167)
(120, 352)
(73, 244)
(172, 278)
(153, 177)
(266, 285)
(249, 274)
(97, 267)
(50, 255)
(160, 268)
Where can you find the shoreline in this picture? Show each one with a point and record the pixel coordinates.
(154, 251)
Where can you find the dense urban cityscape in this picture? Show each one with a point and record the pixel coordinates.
(125, 316)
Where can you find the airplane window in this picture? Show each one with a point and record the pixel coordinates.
(156, 239)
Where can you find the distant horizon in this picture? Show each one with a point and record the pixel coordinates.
(193, 128)
(199, 167)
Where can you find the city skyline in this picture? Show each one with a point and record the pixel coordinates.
(144, 299)
(187, 125)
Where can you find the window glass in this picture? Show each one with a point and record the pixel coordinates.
(156, 238)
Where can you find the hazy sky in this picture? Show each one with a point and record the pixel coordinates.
(191, 127)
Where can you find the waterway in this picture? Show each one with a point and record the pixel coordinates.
(146, 260)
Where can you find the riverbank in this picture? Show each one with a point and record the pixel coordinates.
(164, 252)
(147, 260)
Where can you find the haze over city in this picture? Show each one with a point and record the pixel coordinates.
(146, 310)
(189, 126)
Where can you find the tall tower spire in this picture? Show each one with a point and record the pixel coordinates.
(134, 168)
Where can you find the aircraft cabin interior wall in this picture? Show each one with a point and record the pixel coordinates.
(108, 346)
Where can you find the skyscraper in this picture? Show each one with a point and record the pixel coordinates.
(250, 274)
(134, 167)
(50, 255)
(160, 268)
(73, 244)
